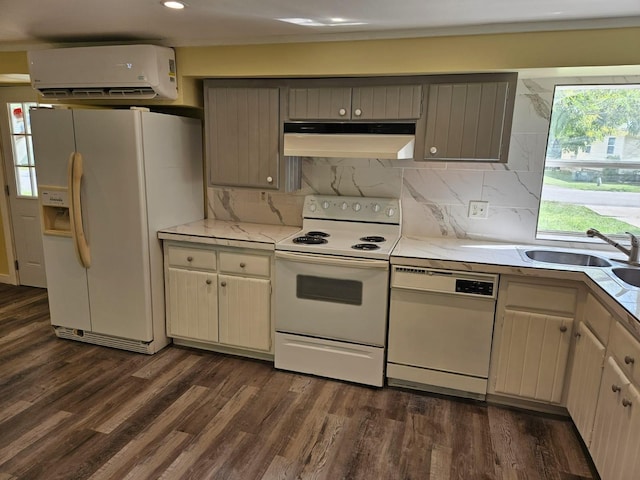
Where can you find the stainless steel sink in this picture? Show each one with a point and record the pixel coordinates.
(628, 275)
(566, 258)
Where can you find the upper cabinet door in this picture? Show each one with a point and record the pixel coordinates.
(319, 103)
(399, 102)
(242, 136)
(467, 121)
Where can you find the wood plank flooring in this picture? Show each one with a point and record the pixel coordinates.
(74, 411)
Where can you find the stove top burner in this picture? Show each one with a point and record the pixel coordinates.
(365, 246)
(309, 240)
(315, 233)
(374, 239)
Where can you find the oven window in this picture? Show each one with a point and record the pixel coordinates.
(329, 289)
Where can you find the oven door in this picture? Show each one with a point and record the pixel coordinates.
(332, 297)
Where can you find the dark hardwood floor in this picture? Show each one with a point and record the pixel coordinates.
(74, 411)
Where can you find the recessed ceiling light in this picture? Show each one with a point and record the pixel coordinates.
(175, 5)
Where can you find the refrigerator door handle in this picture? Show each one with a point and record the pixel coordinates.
(74, 173)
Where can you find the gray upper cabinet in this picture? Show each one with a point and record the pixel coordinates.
(242, 136)
(468, 121)
(397, 102)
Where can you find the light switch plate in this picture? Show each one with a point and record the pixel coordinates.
(478, 209)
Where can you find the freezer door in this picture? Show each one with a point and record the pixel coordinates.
(53, 143)
(66, 284)
(115, 221)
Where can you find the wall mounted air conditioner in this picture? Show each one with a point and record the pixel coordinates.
(104, 72)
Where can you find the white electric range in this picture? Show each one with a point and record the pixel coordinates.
(332, 288)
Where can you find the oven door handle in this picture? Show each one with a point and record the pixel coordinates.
(333, 261)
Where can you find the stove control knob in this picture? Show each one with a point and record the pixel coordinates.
(313, 207)
(391, 212)
(357, 207)
(376, 207)
(325, 204)
(344, 205)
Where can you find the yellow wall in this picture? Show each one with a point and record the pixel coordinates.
(416, 55)
(4, 264)
(471, 53)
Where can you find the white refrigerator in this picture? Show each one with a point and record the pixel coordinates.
(108, 180)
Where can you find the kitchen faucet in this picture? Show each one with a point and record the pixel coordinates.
(631, 252)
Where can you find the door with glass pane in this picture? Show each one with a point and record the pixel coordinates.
(23, 195)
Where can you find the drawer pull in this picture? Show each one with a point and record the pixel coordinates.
(615, 388)
(208, 281)
(629, 360)
(242, 264)
(626, 403)
(563, 329)
(223, 284)
(189, 259)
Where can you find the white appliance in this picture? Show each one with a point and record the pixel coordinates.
(104, 72)
(440, 330)
(333, 287)
(108, 180)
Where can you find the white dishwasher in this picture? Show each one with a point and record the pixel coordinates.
(440, 330)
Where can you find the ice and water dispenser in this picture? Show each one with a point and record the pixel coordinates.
(54, 202)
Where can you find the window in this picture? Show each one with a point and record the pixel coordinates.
(22, 148)
(592, 165)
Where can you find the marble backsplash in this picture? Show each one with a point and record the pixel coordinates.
(435, 195)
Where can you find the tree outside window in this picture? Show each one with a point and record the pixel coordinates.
(592, 165)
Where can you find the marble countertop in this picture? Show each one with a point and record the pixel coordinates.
(219, 232)
(509, 258)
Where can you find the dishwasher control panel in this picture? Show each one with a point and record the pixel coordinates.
(444, 281)
(474, 287)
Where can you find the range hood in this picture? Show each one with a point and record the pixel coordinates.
(349, 140)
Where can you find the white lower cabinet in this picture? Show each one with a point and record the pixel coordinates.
(244, 312)
(615, 444)
(533, 355)
(584, 385)
(193, 305)
(219, 296)
(532, 339)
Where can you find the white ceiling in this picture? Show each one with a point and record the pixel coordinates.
(28, 23)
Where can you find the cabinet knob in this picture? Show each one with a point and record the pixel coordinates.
(342, 112)
(629, 360)
(563, 328)
(208, 281)
(626, 403)
(578, 335)
(189, 259)
(269, 179)
(357, 112)
(223, 284)
(615, 388)
(242, 264)
(433, 150)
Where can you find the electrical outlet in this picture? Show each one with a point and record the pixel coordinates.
(478, 209)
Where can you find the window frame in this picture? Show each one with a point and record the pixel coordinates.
(601, 164)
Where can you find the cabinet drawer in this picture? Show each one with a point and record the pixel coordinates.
(192, 257)
(534, 297)
(243, 263)
(626, 349)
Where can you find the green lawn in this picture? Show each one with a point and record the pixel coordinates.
(563, 217)
(610, 187)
